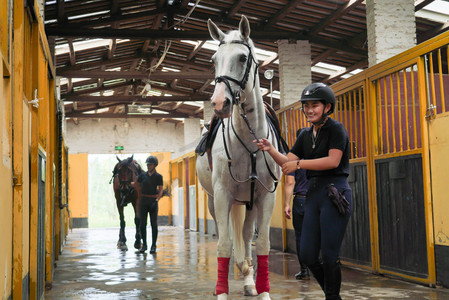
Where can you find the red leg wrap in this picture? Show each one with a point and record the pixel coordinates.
(262, 281)
(223, 272)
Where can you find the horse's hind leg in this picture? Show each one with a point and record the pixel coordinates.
(210, 205)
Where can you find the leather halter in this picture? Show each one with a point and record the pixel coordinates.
(241, 83)
(236, 101)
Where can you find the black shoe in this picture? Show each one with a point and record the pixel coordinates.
(143, 249)
(153, 249)
(303, 274)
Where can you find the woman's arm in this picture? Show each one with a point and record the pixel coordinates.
(279, 158)
(318, 164)
(289, 184)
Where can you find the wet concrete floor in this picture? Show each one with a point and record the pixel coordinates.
(185, 267)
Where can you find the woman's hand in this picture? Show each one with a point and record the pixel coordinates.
(288, 211)
(289, 167)
(263, 144)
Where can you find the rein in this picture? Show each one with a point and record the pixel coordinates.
(236, 101)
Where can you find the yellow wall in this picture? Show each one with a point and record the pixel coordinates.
(78, 185)
(5, 166)
(24, 67)
(439, 143)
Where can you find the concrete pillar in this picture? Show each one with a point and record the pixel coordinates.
(207, 111)
(295, 71)
(192, 131)
(391, 28)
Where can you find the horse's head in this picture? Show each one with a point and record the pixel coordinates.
(235, 66)
(126, 171)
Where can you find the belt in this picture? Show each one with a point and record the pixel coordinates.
(149, 196)
(300, 195)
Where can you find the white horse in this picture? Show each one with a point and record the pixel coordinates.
(240, 173)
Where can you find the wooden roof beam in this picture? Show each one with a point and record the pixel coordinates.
(283, 12)
(257, 35)
(422, 4)
(107, 62)
(124, 115)
(358, 65)
(96, 89)
(61, 12)
(236, 7)
(343, 9)
(136, 98)
(71, 52)
(157, 75)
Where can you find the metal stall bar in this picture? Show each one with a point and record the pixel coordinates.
(440, 75)
(404, 73)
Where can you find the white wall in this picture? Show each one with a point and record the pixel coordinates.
(95, 136)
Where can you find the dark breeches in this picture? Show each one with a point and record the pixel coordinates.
(298, 218)
(148, 207)
(323, 227)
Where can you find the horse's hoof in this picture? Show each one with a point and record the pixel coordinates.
(137, 245)
(222, 297)
(122, 246)
(264, 296)
(249, 290)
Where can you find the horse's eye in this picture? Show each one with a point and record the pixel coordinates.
(242, 58)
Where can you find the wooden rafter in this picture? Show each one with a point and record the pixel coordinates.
(157, 75)
(136, 98)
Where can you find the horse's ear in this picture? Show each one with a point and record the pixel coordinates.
(118, 159)
(244, 28)
(214, 31)
(132, 157)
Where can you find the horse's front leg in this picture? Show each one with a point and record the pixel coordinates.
(265, 207)
(222, 205)
(122, 238)
(247, 268)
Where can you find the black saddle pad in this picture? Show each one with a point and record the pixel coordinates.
(207, 140)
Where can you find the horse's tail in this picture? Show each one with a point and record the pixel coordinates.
(237, 219)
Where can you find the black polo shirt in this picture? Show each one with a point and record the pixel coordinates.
(149, 183)
(332, 135)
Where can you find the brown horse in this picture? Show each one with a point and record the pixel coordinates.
(125, 172)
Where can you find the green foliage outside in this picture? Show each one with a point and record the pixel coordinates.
(102, 208)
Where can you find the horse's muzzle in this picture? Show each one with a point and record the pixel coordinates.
(225, 111)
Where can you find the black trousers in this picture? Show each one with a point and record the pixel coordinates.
(299, 202)
(323, 227)
(148, 206)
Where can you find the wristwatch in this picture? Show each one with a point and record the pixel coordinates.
(297, 165)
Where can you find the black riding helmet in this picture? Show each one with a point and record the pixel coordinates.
(152, 160)
(319, 92)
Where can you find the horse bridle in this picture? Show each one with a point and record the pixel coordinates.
(236, 101)
(241, 83)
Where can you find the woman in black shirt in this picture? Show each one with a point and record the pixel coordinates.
(323, 151)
